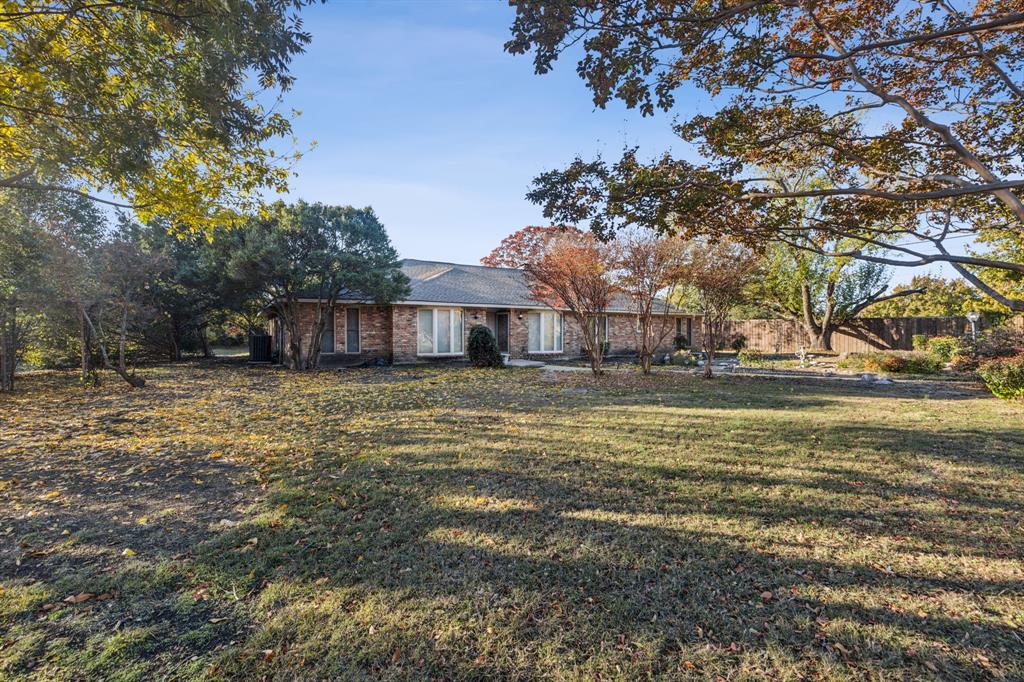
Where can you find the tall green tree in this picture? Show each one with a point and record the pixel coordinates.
(821, 293)
(317, 252)
(192, 292)
(22, 257)
(162, 106)
(940, 297)
(910, 112)
(50, 263)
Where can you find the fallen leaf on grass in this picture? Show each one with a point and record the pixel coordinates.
(128, 552)
(217, 620)
(79, 598)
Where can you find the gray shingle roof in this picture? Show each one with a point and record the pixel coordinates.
(473, 285)
(437, 282)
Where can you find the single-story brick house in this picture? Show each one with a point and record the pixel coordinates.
(447, 299)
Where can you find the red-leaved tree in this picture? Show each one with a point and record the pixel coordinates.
(573, 270)
(524, 246)
(717, 273)
(649, 270)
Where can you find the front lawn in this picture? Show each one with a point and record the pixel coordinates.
(228, 522)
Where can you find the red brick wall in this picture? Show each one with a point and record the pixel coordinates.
(404, 326)
(389, 333)
(403, 336)
(374, 333)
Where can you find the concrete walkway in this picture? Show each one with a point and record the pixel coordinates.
(525, 363)
(950, 386)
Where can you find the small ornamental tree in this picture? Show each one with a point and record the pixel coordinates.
(648, 269)
(717, 273)
(574, 271)
(482, 347)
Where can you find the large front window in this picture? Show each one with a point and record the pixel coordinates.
(439, 331)
(544, 332)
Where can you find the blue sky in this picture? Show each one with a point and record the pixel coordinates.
(417, 111)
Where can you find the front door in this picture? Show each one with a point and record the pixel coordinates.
(501, 331)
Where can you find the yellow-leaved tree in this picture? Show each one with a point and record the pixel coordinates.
(165, 107)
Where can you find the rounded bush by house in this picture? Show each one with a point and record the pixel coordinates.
(482, 347)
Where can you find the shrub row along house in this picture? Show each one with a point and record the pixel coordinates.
(447, 299)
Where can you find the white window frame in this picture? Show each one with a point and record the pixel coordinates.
(542, 328)
(359, 332)
(452, 330)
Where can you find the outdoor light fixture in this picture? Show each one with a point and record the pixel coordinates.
(973, 318)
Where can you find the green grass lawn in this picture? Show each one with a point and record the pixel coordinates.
(247, 523)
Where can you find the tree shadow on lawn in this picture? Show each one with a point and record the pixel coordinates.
(580, 536)
(570, 564)
(739, 390)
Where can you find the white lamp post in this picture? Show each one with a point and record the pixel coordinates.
(973, 317)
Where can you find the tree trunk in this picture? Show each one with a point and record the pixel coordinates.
(8, 346)
(122, 342)
(90, 376)
(204, 342)
(175, 350)
(592, 341)
(646, 352)
(131, 379)
(819, 333)
(293, 356)
(823, 339)
(708, 343)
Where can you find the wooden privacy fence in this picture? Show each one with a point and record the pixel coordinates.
(863, 334)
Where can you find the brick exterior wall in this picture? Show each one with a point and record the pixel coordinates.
(390, 332)
(403, 335)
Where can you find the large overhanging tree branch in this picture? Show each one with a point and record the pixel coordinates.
(908, 111)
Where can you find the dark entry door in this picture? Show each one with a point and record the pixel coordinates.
(501, 331)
